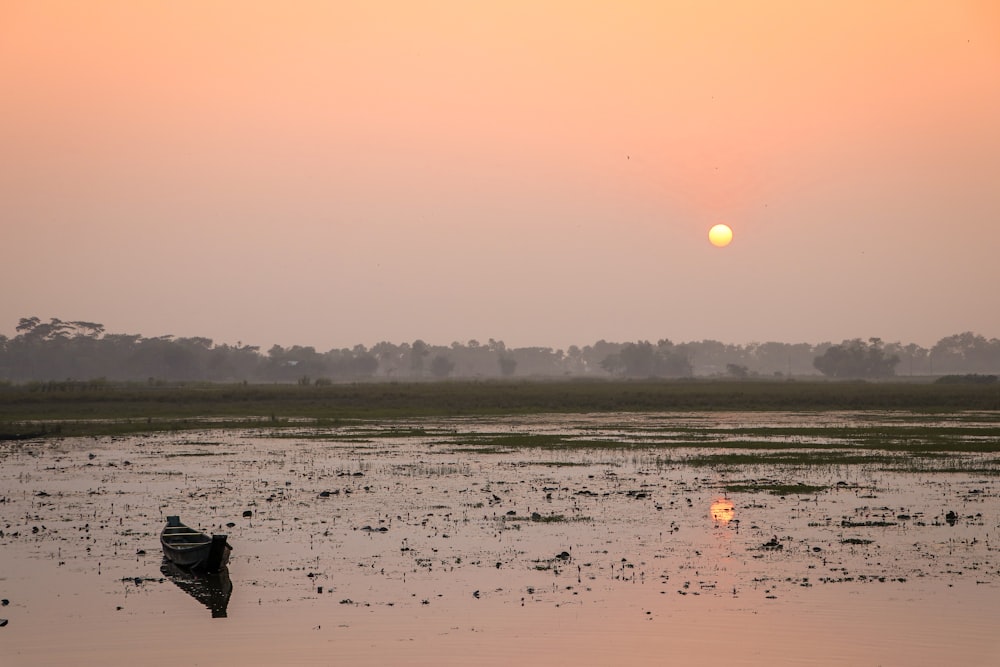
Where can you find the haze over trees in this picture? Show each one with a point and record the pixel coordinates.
(57, 350)
(857, 359)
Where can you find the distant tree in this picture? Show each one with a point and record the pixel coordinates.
(643, 360)
(857, 359)
(542, 361)
(27, 324)
(389, 357)
(364, 365)
(634, 360)
(737, 371)
(418, 350)
(507, 363)
(90, 329)
(576, 364)
(54, 349)
(966, 353)
(672, 360)
(442, 366)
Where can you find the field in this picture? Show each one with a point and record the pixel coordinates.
(92, 408)
(582, 523)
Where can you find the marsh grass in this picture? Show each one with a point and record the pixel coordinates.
(793, 458)
(358, 432)
(775, 488)
(561, 464)
(836, 446)
(544, 518)
(515, 440)
(178, 406)
(508, 442)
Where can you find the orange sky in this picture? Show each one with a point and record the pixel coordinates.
(333, 173)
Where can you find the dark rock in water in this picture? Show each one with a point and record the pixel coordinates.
(535, 516)
(4, 602)
(247, 514)
(230, 525)
(772, 544)
(3, 622)
(324, 494)
(563, 556)
(140, 552)
(951, 518)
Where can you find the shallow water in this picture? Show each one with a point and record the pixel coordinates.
(416, 543)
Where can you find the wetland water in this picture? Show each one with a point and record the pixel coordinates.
(689, 539)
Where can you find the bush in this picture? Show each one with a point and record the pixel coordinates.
(971, 378)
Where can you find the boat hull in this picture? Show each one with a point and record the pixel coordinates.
(193, 549)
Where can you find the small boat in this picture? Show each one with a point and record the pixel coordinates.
(192, 549)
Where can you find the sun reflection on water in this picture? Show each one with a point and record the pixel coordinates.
(722, 511)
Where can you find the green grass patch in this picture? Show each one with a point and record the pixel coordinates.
(545, 518)
(794, 458)
(774, 488)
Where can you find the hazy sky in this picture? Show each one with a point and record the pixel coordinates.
(543, 173)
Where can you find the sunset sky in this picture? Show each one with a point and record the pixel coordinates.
(542, 173)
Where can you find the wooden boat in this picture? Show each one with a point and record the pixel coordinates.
(192, 549)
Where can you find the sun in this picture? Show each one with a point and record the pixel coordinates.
(720, 235)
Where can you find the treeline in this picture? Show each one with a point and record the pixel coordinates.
(58, 350)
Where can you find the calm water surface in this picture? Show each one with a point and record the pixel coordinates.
(433, 542)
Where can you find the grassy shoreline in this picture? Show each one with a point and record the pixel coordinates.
(79, 408)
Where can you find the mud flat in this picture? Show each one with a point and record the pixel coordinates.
(659, 538)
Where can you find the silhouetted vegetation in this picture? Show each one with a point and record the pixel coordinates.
(643, 360)
(972, 378)
(57, 351)
(857, 359)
